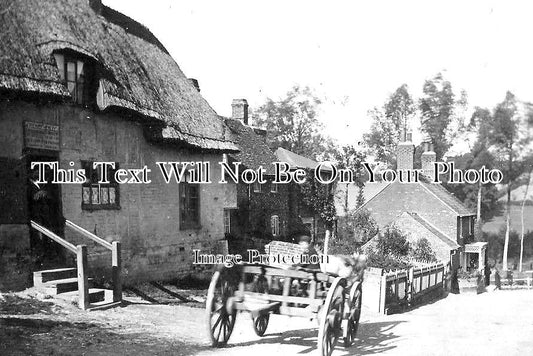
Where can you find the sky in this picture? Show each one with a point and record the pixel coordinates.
(354, 54)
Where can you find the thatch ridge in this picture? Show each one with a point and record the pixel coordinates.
(143, 77)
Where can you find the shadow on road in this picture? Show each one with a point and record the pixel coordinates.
(372, 338)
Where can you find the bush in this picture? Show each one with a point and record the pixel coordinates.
(392, 242)
(422, 251)
(353, 230)
(385, 261)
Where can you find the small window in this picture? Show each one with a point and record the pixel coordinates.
(274, 225)
(227, 221)
(273, 187)
(189, 206)
(99, 195)
(257, 187)
(77, 74)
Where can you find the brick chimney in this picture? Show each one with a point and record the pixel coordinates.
(405, 153)
(195, 83)
(428, 158)
(96, 5)
(239, 110)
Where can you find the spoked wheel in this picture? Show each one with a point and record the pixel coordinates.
(220, 312)
(330, 323)
(261, 324)
(353, 315)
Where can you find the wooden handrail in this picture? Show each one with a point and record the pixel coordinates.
(90, 235)
(54, 237)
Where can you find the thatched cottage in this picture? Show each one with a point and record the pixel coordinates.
(81, 83)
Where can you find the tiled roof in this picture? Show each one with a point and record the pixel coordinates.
(436, 232)
(448, 198)
(295, 160)
(254, 150)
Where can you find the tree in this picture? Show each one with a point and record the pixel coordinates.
(388, 123)
(349, 157)
(502, 133)
(392, 241)
(437, 107)
(422, 251)
(291, 122)
(354, 230)
(529, 165)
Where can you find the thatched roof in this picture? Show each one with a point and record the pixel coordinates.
(140, 74)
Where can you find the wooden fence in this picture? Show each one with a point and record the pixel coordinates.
(401, 288)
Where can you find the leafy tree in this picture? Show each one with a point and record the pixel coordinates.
(399, 108)
(350, 157)
(354, 229)
(529, 168)
(392, 241)
(388, 123)
(437, 106)
(422, 251)
(503, 134)
(291, 122)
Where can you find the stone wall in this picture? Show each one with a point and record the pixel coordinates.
(147, 223)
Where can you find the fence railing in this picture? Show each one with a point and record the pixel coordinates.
(81, 260)
(406, 287)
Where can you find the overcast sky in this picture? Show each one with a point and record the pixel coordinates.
(353, 53)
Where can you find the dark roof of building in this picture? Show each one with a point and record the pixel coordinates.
(296, 161)
(140, 75)
(254, 150)
(436, 190)
(436, 232)
(448, 198)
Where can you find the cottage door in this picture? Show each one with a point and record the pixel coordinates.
(44, 207)
(12, 192)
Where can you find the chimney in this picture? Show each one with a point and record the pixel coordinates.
(429, 157)
(239, 110)
(195, 83)
(96, 5)
(405, 152)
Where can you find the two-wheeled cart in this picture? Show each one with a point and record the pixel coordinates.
(263, 290)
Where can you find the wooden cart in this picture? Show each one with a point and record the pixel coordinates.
(263, 290)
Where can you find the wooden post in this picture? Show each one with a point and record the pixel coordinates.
(383, 293)
(116, 262)
(410, 280)
(83, 286)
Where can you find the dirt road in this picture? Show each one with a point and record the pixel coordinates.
(498, 323)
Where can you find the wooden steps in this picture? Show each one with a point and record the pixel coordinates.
(40, 277)
(95, 295)
(63, 283)
(59, 286)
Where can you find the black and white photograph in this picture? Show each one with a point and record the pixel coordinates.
(247, 177)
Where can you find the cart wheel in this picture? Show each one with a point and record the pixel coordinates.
(354, 313)
(331, 318)
(261, 324)
(220, 314)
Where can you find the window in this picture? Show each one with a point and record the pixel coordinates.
(273, 187)
(99, 195)
(189, 206)
(274, 225)
(257, 187)
(77, 74)
(227, 221)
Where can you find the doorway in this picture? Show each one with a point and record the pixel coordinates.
(44, 207)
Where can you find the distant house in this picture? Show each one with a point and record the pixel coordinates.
(299, 212)
(447, 222)
(262, 209)
(82, 83)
